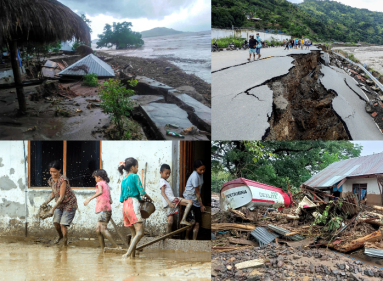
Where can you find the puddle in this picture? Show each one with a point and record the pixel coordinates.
(38, 262)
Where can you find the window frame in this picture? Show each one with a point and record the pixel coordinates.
(64, 166)
(359, 189)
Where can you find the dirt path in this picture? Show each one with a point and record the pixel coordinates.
(29, 260)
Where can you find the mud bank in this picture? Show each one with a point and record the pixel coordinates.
(25, 261)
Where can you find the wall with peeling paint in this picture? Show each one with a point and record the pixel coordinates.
(12, 198)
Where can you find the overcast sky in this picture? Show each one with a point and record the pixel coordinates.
(372, 5)
(183, 15)
(370, 147)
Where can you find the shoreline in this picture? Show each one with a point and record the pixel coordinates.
(162, 70)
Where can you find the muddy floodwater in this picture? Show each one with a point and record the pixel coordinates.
(20, 261)
(372, 55)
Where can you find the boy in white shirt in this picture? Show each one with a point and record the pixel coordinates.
(170, 202)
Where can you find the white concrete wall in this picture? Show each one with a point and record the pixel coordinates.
(12, 200)
(245, 33)
(372, 185)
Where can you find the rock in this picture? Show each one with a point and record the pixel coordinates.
(370, 82)
(229, 267)
(341, 266)
(369, 272)
(311, 267)
(335, 271)
(295, 257)
(280, 264)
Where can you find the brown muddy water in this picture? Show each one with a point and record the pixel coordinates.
(20, 261)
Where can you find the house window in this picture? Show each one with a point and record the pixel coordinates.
(78, 159)
(360, 189)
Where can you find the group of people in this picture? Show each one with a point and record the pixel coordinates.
(132, 192)
(255, 46)
(297, 43)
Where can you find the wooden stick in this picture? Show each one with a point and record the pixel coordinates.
(229, 226)
(119, 234)
(163, 237)
(292, 233)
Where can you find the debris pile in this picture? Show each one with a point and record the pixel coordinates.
(304, 240)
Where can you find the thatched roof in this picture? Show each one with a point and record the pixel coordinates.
(40, 21)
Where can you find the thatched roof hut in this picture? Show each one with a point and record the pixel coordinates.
(41, 22)
(37, 22)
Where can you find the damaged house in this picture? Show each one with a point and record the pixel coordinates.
(24, 173)
(362, 176)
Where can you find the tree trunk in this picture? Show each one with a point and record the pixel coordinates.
(357, 243)
(17, 76)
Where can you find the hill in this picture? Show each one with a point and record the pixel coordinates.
(159, 31)
(348, 24)
(316, 19)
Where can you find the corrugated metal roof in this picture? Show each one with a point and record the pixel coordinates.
(360, 166)
(263, 236)
(283, 232)
(95, 65)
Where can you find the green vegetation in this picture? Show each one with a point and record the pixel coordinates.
(121, 36)
(38, 52)
(276, 162)
(318, 20)
(90, 80)
(115, 100)
(159, 31)
(223, 42)
(353, 58)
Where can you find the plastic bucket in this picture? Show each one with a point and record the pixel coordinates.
(147, 208)
(206, 218)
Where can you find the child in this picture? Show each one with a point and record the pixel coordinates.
(131, 192)
(170, 202)
(103, 208)
(193, 192)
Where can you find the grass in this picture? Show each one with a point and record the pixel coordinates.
(224, 42)
(90, 80)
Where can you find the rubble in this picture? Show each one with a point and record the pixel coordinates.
(270, 246)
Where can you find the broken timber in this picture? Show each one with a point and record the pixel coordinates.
(248, 264)
(229, 226)
(122, 251)
(357, 243)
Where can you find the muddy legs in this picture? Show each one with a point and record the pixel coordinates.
(188, 203)
(170, 224)
(139, 233)
(100, 236)
(58, 229)
(64, 231)
(195, 231)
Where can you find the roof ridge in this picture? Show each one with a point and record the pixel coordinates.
(358, 157)
(99, 62)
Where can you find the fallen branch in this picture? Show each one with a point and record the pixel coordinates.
(357, 243)
(229, 226)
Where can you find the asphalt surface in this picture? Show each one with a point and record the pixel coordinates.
(236, 115)
(242, 103)
(349, 104)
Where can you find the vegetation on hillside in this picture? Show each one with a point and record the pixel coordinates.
(318, 20)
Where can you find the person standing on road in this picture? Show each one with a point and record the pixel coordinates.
(296, 44)
(259, 46)
(252, 46)
(287, 44)
(302, 43)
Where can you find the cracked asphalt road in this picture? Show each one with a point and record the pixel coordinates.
(236, 114)
(349, 105)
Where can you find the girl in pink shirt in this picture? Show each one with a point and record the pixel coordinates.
(103, 207)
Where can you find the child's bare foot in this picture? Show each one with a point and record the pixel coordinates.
(65, 244)
(58, 239)
(185, 222)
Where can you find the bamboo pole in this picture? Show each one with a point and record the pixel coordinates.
(119, 234)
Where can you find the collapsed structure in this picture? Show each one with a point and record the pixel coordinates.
(340, 208)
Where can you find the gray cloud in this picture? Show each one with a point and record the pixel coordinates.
(151, 9)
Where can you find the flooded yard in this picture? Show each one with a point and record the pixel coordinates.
(21, 261)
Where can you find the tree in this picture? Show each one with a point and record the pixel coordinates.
(120, 36)
(275, 162)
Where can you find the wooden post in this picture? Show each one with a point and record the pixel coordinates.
(17, 76)
(357, 243)
(119, 234)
